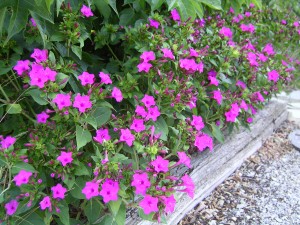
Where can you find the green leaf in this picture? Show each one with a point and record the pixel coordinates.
(127, 17)
(214, 4)
(162, 128)
(155, 4)
(76, 192)
(36, 95)
(49, 4)
(81, 170)
(186, 9)
(82, 137)
(32, 218)
(103, 8)
(145, 216)
(120, 217)
(69, 180)
(258, 3)
(217, 133)
(99, 116)
(58, 5)
(63, 215)
(93, 210)
(13, 109)
(114, 206)
(77, 51)
(2, 17)
(38, 22)
(112, 4)
(22, 166)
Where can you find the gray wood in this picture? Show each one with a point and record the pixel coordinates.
(209, 169)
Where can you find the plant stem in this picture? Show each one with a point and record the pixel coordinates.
(28, 117)
(112, 52)
(4, 94)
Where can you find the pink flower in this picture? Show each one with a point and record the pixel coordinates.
(226, 32)
(21, 66)
(141, 183)
(168, 53)
(58, 191)
(252, 59)
(212, 73)
(11, 207)
(283, 22)
(248, 14)
(249, 120)
(232, 113)
(243, 105)
(86, 78)
(154, 23)
(169, 203)
(39, 55)
(203, 141)
(193, 53)
(140, 111)
(90, 190)
(160, 164)
(82, 103)
(37, 76)
(22, 177)
(269, 49)
(45, 203)
(183, 159)
(262, 57)
(50, 74)
(148, 56)
(42, 117)
(33, 23)
(149, 204)
(189, 185)
(251, 5)
(86, 11)
(109, 190)
(296, 24)
(7, 142)
(137, 125)
(105, 78)
(273, 76)
(144, 66)
(217, 95)
(257, 95)
(213, 81)
(148, 101)
(197, 122)
(127, 136)
(175, 15)
(241, 84)
(153, 113)
(102, 135)
(62, 101)
(65, 158)
(117, 94)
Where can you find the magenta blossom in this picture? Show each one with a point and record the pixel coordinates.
(226, 32)
(33, 23)
(249, 120)
(148, 100)
(62, 101)
(127, 136)
(168, 53)
(213, 81)
(58, 191)
(21, 66)
(37, 76)
(147, 56)
(105, 78)
(90, 190)
(82, 103)
(117, 94)
(11, 207)
(22, 177)
(241, 84)
(141, 183)
(46, 203)
(50, 74)
(273, 76)
(232, 113)
(140, 111)
(175, 15)
(153, 113)
(109, 190)
(86, 11)
(42, 117)
(154, 23)
(160, 164)
(217, 95)
(39, 55)
(183, 159)
(144, 66)
(138, 125)
(65, 158)
(169, 203)
(203, 141)
(149, 204)
(102, 135)
(197, 122)
(86, 78)
(189, 185)
(269, 49)
(7, 142)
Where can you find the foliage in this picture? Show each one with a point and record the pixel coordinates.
(100, 102)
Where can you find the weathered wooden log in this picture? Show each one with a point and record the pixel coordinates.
(211, 168)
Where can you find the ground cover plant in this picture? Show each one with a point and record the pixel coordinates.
(100, 101)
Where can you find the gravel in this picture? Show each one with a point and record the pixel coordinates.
(264, 190)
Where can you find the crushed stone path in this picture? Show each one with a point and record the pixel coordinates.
(265, 190)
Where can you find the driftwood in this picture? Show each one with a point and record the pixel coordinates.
(209, 169)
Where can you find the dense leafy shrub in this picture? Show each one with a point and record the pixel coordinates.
(95, 122)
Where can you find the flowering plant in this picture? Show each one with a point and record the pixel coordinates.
(108, 134)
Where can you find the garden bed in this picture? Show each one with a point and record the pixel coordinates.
(209, 169)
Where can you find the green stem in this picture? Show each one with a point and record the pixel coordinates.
(13, 83)
(136, 159)
(4, 94)
(112, 52)
(16, 78)
(28, 117)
